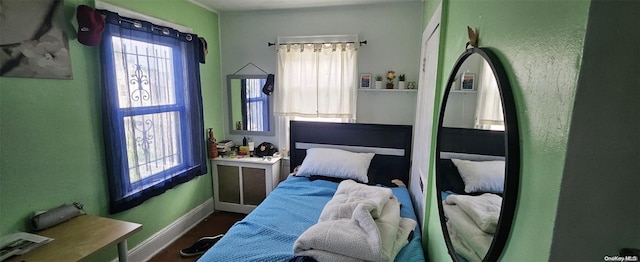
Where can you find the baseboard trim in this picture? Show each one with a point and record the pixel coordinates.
(163, 238)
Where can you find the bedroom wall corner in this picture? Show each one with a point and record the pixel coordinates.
(391, 30)
(599, 203)
(173, 205)
(433, 239)
(435, 248)
(51, 148)
(544, 84)
(429, 8)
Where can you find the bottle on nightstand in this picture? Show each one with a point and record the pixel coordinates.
(212, 147)
(251, 147)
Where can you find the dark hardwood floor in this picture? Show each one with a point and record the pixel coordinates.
(217, 223)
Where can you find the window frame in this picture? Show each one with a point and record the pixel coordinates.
(181, 102)
(261, 101)
(178, 106)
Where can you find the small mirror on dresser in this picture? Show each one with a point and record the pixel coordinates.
(250, 110)
(478, 158)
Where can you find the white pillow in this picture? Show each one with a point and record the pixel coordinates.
(337, 163)
(481, 176)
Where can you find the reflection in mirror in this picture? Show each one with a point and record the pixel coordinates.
(249, 107)
(478, 165)
(479, 107)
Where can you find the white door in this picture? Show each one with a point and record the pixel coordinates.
(423, 126)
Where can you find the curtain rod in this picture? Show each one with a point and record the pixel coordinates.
(137, 23)
(351, 42)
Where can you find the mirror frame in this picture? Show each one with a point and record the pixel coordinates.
(512, 154)
(271, 131)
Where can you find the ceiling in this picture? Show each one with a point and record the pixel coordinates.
(246, 5)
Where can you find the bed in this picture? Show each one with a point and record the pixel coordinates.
(270, 231)
(470, 179)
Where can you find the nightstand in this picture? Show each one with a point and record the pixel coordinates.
(284, 168)
(240, 184)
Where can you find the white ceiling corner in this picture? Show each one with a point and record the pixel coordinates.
(248, 5)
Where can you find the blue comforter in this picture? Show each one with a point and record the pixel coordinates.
(268, 233)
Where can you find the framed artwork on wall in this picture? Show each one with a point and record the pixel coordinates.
(468, 82)
(37, 46)
(365, 81)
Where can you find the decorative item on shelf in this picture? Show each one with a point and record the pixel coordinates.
(212, 147)
(401, 83)
(468, 81)
(233, 153)
(391, 75)
(473, 38)
(243, 151)
(411, 85)
(365, 81)
(224, 148)
(378, 82)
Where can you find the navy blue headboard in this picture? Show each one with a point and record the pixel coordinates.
(391, 143)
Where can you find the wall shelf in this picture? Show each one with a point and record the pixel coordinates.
(387, 90)
(463, 91)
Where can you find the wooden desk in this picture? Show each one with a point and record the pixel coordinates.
(80, 237)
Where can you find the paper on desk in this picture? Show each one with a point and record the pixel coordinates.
(20, 243)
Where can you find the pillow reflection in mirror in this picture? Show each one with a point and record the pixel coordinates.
(481, 176)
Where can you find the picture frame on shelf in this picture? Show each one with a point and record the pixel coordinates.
(365, 81)
(468, 82)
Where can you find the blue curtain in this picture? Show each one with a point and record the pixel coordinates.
(152, 109)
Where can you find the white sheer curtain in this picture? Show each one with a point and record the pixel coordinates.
(489, 106)
(315, 82)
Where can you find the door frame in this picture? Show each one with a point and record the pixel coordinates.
(423, 126)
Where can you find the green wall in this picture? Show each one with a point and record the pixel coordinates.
(51, 149)
(540, 44)
(602, 171)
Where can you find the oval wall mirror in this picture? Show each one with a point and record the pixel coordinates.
(478, 158)
(249, 108)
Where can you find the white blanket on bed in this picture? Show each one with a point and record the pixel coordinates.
(471, 221)
(483, 209)
(461, 246)
(359, 223)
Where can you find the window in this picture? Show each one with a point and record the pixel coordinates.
(152, 110)
(315, 82)
(256, 105)
(148, 108)
(489, 114)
